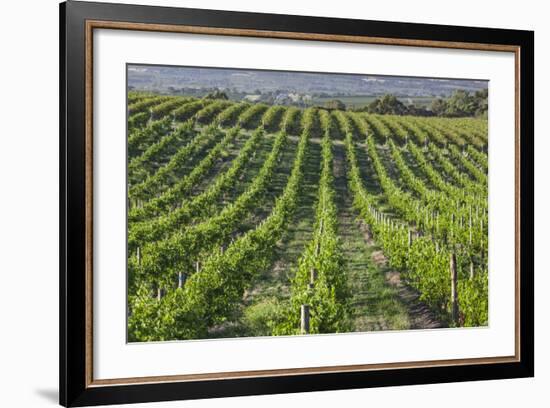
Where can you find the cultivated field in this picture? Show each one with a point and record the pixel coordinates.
(255, 220)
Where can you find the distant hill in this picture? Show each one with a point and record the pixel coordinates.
(166, 79)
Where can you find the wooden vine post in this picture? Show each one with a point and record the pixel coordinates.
(454, 284)
(470, 226)
(452, 226)
(304, 319)
(313, 276)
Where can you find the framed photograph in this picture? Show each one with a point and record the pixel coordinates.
(256, 203)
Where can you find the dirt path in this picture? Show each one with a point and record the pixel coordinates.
(380, 300)
(272, 285)
(275, 281)
(420, 316)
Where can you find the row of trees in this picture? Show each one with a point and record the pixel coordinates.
(460, 104)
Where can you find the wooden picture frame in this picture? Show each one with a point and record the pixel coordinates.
(78, 20)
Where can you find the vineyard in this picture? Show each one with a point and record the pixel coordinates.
(257, 220)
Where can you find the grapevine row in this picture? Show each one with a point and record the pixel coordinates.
(163, 177)
(320, 280)
(425, 263)
(141, 166)
(209, 296)
(145, 104)
(140, 139)
(162, 260)
(154, 229)
(166, 108)
(172, 195)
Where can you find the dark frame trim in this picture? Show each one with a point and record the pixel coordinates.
(77, 387)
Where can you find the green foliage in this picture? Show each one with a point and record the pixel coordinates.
(263, 317)
(139, 139)
(210, 296)
(291, 121)
(461, 104)
(162, 260)
(229, 116)
(166, 108)
(325, 293)
(379, 130)
(438, 107)
(387, 105)
(209, 112)
(474, 300)
(250, 117)
(432, 173)
(138, 120)
(140, 167)
(335, 104)
(145, 104)
(480, 175)
(217, 94)
(272, 117)
(425, 263)
(480, 158)
(187, 111)
(153, 229)
(162, 179)
(136, 96)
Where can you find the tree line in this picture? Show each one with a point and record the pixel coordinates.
(460, 104)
